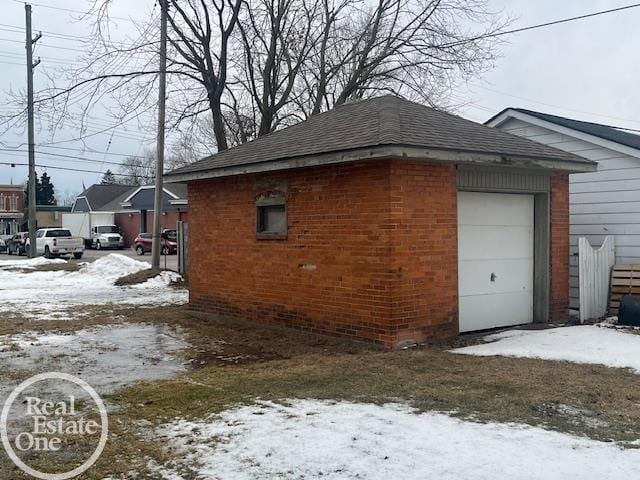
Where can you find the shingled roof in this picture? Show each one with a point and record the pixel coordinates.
(605, 132)
(359, 130)
(99, 195)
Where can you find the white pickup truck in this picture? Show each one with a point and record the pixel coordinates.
(53, 242)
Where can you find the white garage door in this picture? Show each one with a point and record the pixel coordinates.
(495, 260)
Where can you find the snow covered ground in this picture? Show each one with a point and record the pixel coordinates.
(579, 344)
(46, 295)
(318, 439)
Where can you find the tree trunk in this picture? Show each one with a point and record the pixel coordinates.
(218, 124)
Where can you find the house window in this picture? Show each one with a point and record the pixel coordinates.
(14, 204)
(2, 204)
(271, 218)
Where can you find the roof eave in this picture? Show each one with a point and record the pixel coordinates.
(388, 151)
(508, 113)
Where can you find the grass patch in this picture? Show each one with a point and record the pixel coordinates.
(487, 389)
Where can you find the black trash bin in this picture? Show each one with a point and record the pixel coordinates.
(629, 311)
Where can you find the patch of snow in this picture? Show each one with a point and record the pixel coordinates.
(52, 295)
(162, 280)
(107, 357)
(337, 441)
(577, 416)
(29, 263)
(113, 266)
(579, 344)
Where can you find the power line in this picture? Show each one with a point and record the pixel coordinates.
(53, 167)
(81, 150)
(13, 152)
(559, 107)
(541, 25)
(46, 45)
(74, 11)
(69, 61)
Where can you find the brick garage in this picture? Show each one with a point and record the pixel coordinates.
(369, 249)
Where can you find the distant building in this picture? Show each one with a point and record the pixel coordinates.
(50, 215)
(11, 209)
(133, 206)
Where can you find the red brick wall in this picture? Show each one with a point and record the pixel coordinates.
(424, 250)
(559, 294)
(371, 252)
(330, 276)
(10, 191)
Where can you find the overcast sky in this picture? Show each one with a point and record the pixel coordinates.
(587, 69)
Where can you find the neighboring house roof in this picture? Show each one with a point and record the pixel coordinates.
(116, 204)
(176, 191)
(366, 129)
(99, 195)
(605, 132)
(113, 198)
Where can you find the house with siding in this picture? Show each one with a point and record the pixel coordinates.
(384, 221)
(601, 203)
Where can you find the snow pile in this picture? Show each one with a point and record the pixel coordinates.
(53, 295)
(579, 344)
(113, 266)
(317, 439)
(29, 263)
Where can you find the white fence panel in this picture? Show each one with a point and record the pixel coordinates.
(594, 271)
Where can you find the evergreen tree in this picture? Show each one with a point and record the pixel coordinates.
(45, 191)
(108, 178)
(38, 190)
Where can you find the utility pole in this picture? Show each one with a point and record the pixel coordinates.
(31, 214)
(157, 203)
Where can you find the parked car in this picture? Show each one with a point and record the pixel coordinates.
(142, 244)
(53, 242)
(3, 242)
(16, 244)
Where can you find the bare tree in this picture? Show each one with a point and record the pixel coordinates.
(277, 37)
(240, 69)
(137, 170)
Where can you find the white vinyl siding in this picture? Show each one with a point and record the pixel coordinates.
(606, 202)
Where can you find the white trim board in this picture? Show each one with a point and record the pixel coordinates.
(147, 187)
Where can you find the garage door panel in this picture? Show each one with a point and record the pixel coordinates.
(491, 209)
(495, 236)
(513, 275)
(479, 312)
(486, 241)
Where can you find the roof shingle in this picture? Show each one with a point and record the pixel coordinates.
(379, 121)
